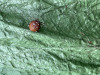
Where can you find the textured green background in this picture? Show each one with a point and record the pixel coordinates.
(67, 44)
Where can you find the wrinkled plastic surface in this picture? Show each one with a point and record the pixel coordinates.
(68, 42)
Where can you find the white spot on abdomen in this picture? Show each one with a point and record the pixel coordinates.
(33, 24)
(36, 27)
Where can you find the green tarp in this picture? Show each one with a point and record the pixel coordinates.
(68, 42)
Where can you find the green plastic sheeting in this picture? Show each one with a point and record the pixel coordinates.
(68, 42)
